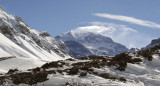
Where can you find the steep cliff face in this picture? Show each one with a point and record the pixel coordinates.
(92, 44)
(40, 45)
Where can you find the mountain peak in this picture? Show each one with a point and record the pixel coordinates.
(153, 43)
(94, 44)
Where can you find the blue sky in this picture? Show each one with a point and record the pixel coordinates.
(57, 16)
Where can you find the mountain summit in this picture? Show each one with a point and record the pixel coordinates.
(88, 43)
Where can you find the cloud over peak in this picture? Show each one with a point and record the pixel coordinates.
(119, 33)
(129, 19)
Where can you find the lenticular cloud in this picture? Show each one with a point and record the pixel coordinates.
(129, 19)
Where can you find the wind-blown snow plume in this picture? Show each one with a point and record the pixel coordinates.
(119, 33)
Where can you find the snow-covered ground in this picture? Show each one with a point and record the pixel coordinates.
(4, 54)
(11, 48)
(145, 73)
(89, 80)
(135, 74)
(22, 64)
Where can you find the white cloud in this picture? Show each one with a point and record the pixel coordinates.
(119, 33)
(129, 19)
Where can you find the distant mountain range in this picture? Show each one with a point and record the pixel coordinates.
(88, 43)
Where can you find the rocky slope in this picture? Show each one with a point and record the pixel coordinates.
(85, 44)
(23, 41)
(132, 50)
(153, 43)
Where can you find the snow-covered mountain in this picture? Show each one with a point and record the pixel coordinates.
(132, 50)
(88, 43)
(153, 43)
(20, 40)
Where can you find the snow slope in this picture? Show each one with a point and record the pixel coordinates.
(4, 54)
(20, 40)
(22, 64)
(10, 47)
